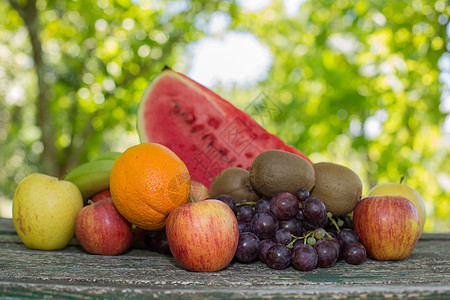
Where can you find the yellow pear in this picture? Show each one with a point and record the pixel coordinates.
(44, 211)
(400, 189)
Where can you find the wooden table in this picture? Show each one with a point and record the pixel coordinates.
(140, 273)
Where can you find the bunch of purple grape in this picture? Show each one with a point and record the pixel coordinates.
(293, 229)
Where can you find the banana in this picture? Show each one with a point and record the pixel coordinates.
(111, 155)
(91, 177)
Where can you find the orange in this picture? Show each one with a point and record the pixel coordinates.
(147, 182)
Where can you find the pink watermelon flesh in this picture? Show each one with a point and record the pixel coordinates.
(207, 132)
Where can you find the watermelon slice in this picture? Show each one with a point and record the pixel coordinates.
(207, 132)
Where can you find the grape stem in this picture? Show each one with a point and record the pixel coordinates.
(295, 238)
(246, 203)
(333, 221)
(350, 216)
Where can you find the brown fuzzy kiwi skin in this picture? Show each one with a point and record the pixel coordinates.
(275, 171)
(234, 182)
(337, 186)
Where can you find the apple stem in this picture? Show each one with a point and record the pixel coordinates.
(401, 179)
(90, 202)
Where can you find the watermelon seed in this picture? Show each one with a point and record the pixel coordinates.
(208, 137)
(222, 153)
(213, 122)
(189, 118)
(196, 128)
(176, 108)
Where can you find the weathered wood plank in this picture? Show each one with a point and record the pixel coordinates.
(71, 273)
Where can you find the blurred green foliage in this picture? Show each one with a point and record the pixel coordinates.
(338, 66)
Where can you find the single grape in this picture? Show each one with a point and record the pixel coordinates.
(248, 247)
(326, 254)
(264, 245)
(311, 240)
(228, 200)
(263, 205)
(264, 225)
(315, 213)
(245, 213)
(339, 246)
(355, 253)
(284, 205)
(244, 226)
(348, 236)
(278, 257)
(283, 236)
(319, 233)
(292, 225)
(300, 216)
(302, 195)
(304, 257)
(313, 208)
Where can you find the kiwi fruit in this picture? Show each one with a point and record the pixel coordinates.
(234, 182)
(338, 187)
(275, 171)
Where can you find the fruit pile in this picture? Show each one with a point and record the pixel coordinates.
(289, 224)
(298, 228)
(266, 201)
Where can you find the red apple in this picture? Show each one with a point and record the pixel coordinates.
(101, 195)
(388, 226)
(101, 229)
(203, 236)
(198, 191)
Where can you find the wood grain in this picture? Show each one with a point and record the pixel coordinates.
(140, 273)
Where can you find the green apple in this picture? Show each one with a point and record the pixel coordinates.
(44, 211)
(400, 189)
